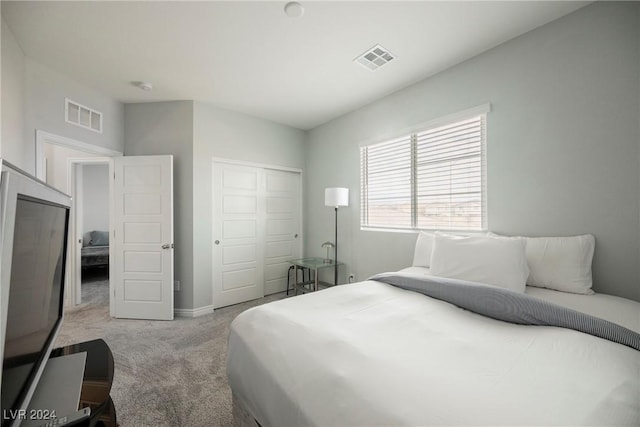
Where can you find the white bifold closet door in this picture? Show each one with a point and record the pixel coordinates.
(256, 230)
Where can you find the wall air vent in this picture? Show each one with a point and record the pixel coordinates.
(374, 58)
(82, 116)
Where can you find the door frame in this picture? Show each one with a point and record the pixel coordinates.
(102, 154)
(215, 160)
(43, 138)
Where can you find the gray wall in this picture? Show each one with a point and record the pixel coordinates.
(167, 128)
(225, 134)
(195, 133)
(13, 91)
(46, 90)
(33, 97)
(563, 144)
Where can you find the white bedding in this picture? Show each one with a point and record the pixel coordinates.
(370, 354)
(618, 310)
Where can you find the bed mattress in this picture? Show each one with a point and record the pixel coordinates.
(370, 354)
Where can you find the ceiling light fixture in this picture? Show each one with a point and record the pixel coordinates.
(293, 9)
(146, 86)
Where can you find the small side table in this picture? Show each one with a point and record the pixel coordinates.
(313, 264)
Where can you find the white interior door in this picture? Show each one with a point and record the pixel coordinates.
(282, 232)
(143, 240)
(238, 229)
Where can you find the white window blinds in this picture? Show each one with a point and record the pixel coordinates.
(386, 184)
(431, 179)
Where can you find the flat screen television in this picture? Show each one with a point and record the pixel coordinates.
(34, 223)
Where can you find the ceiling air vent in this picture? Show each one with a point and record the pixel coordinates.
(374, 58)
(82, 116)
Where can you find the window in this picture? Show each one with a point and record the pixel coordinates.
(430, 179)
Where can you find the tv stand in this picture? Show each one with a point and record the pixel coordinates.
(97, 380)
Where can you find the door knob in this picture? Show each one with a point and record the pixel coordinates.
(295, 236)
(167, 246)
(217, 242)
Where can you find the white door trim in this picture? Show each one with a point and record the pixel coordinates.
(255, 165)
(43, 137)
(74, 280)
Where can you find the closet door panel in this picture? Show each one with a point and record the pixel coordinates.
(256, 230)
(238, 234)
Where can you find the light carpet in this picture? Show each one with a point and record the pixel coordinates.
(167, 373)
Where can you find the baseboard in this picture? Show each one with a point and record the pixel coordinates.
(193, 312)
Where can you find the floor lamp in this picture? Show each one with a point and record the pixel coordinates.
(336, 197)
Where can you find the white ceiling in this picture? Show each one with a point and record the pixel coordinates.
(250, 57)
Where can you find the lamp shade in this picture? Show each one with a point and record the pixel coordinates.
(336, 197)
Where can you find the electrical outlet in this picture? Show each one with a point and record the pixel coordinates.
(176, 285)
(352, 278)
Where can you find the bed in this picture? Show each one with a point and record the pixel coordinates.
(373, 353)
(95, 249)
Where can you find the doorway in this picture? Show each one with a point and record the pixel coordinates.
(59, 163)
(140, 204)
(91, 211)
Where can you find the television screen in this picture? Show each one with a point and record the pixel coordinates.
(35, 295)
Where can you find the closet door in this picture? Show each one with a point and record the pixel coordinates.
(238, 232)
(256, 230)
(282, 232)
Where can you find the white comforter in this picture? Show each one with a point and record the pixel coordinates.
(371, 354)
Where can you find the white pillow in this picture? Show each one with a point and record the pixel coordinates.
(424, 247)
(561, 263)
(485, 259)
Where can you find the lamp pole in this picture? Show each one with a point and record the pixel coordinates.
(336, 197)
(335, 253)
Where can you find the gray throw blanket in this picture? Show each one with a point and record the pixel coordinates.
(509, 306)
